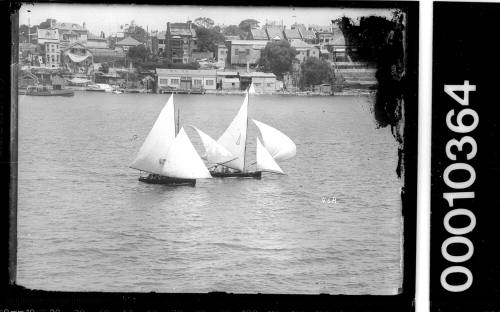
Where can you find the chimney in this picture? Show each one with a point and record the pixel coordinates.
(83, 25)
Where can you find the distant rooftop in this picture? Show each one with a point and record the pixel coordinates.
(196, 72)
(69, 26)
(292, 34)
(259, 34)
(249, 42)
(129, 41)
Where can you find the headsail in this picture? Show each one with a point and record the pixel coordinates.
(182, 160)
(266, 162)
(279, 145)
(157, 142)
(215, 152)
(235, 136)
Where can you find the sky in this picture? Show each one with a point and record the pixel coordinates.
(108, 18)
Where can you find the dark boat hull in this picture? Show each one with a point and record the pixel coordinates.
(255, 174)
(51, 93)
(167, 181)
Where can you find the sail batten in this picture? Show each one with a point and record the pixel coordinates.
(265, 162)
(182, 160)
(235, 136)
(157, 142)
(278, 144)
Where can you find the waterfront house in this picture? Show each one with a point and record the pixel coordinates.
(76, 58)
(263, 82)
(57, 82)
(47, 35)
(243, 52)
(304, 50)
(110, 56)
(228, 80)
(180, 42)
(222, 53)
(186, 79)
(127, 43)
(70, 32)
(52, 54)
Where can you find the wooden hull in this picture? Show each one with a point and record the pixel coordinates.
(255, 174)
(167, 181)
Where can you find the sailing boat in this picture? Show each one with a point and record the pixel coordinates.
(169, 157)
(229, 151)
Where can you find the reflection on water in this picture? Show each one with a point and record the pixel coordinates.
(86, 223)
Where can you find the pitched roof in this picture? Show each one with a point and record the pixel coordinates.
(69, 26)
(193, 72)
(292, 34)
(259, 34)
(298, 44)
(94, 37)
(161, 35)
(258, 74)
(129, 41)
(307, 34)
(249, 42)
(275, 32)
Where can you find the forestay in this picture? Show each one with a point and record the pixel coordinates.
(215, 152)
(234, 138)
(278, 144)
(182, 160)
(157, 142)
(265, 162)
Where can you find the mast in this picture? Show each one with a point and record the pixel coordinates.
(246, 135)
(178, 116)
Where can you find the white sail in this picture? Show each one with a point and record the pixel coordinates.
(158, 141)
(182, 160)
(279, 145)
(251, 89)
(235, 136)
(266, 162)
(215, 153)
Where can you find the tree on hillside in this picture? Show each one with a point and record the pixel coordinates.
(208, 39)
(138, 53)
(277, 57)
(46, 24)
(233, 30)
(314, 71)
(248, 24)
(204, 22)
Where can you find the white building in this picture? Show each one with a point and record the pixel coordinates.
(186, 79)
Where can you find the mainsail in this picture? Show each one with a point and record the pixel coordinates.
(215, 152)
(182, 160)
(266, 162)
(279, 145)
(235, 136)
(157, 142)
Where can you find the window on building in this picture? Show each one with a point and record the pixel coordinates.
(197, 82)
(209, 82)
(257, 84)
(174, 81)
(236, 51)
(52, 58)
(269, 84)
(163, 81)
(248, 51)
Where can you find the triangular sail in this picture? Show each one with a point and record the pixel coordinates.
(235, 136)
(182, 160)
(215, 152)
(279, 145)
(157, 142)
(266, 162)
(251, 89)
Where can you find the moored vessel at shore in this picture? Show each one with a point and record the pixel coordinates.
(44, 91)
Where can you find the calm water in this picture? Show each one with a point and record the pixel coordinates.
(86, 223)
